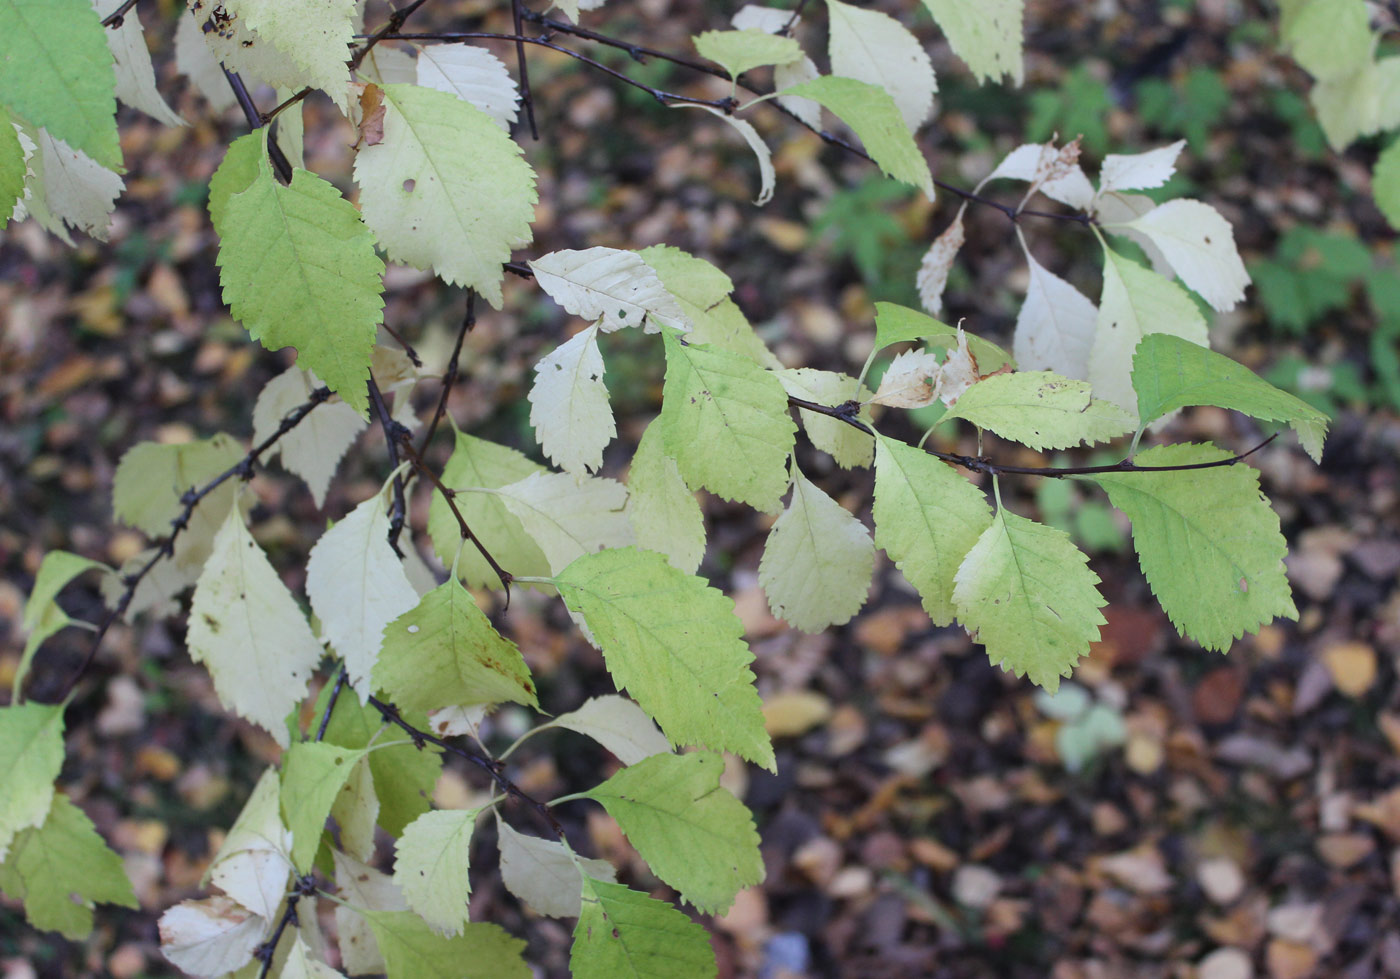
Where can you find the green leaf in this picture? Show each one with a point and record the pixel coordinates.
(298, 268)
(248, 630)
(431, 860)
(1029, 596)
(314, 34)
(848, 445)
(60, 869)
(623, 934)
(241, 164)
(569, 515)
(663, 511)
(872, 113)
(1041, 409)
(312, 774)
(686, 277)
(42, 615)
(151, 478)
(446, 189)
(675, 644)
(741, 51)
(477, 463)
(1208, 542)
(1135, 302)
(817, 560)
(412, 950)
(692, 833)
(12, 168)
(927, 518)
(985, 34)
(1385, 183)
(444, 653)
(703, 294)
(873, 47)
(31, 755)
(57, 73)
(1171, 373)
(1329, 38)
(725, 421)
(356, 811)
(896, 324)
(404, 776)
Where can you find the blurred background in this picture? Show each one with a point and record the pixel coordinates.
(1173, 813)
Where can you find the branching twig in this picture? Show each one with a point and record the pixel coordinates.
(243, 469)
(517, 10)
(118, 16)
(392, 430)
(450, 378)
(303, 887)
(393, 26)
(847, 411)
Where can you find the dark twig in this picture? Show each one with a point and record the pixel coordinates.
(290, 100)
(450, 495)
(336, 691)
(407, 347)
(450, 377)
(517, 10)
(303, 887)
(243, 469)
(980, 464)
(117, 17)
(792, 21)
(392, 432)
(495, 769)
(392, 26)
(638, 52)
(280, 163)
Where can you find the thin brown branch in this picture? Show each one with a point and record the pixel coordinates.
(392, 429)
(517, 10)
(117, 17)
(407, 347)
(450, 377)
(392, 26)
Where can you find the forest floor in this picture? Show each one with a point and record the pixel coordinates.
(926, 818)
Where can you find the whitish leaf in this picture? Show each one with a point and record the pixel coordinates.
(356, 811)
(209, 937)
(1200, 246)
(987, 35)
(692, 832)
(77, 191)
(937, 263)
(31, 754)
(804, 69)
(908, 381)
(363, 887)
(298, 268)
(431, 860)
(568, 516)
(444, 653)
(569, 406)
(57, 73)
(848, 445)
(477, 463)
(253, 863)
(898, 324)
(290, 129)
(771, 20)
(1041, 409)
(702, 291)
(927, 517)
(233, 43)
(158, 589)
(545, 874)
(313, 449)
(874, 47)
(312, 774)
(959, 372)
(412, 950)
(817, 560)
(872, 114)
(389, 65)
(1135, 302)
(357, 586)
(195, 60)
(1170, 373)
(404, 775)
(608, 284)
(446, 189)
(1358, 103)
(248, 630)
(766, 174)
(472, 74)
(1027, 594)
(726, 423)
(624, 934)
(664, 513)
(1052, 170)
(1116, 210)
(136, 78)
(1139, 171)
(1055, 328)
(315, 34)
(618, 725)
(674, 643)
(42, 616)
(1233, 579)
(302, 963)
(743, 50)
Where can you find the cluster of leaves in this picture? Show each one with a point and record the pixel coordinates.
(416, 663)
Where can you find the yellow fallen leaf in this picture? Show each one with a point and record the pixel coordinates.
(794, 712)
(1352, 665)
